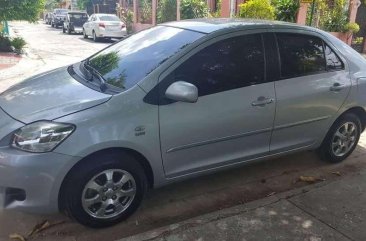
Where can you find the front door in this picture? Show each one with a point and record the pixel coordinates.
(233, 117)
(314, 84)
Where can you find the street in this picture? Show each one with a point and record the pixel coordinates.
(49, 48)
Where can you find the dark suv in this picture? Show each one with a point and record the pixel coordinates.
(58, 17)
(74, 21)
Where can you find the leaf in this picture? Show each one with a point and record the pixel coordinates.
(16, 236)
(43, 226)
(39, 227)
(337, 173)
(310, 179)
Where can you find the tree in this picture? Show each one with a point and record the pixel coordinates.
(51, 4)
(83, 4)
(258, 9)
(28, 10)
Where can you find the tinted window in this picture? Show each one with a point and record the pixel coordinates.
(109, 18)
(229, 64)
(300, 55)
(333, 61)
(129, 61)
(61, 12)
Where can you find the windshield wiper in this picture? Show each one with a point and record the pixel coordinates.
(94, 73)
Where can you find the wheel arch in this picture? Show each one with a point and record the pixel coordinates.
(139, 157)
(360, 112)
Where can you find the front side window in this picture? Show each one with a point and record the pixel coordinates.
(229, 64)
(123, 64)
(300, 55)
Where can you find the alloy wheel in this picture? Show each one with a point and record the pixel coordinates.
(344, 139)
(108, 193)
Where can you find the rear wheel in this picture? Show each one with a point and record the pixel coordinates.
(110, 191)
(341, 139)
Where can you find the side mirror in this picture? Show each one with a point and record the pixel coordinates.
(182, 91)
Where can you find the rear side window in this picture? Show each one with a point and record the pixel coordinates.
(300, 55)
(333, 61)
(229, 64)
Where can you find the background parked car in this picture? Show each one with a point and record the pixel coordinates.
(58, 17)
(74, 22)
(104, 26)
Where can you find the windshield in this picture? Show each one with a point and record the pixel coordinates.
(78, 16)
(109, 18)
(61, 12)
(124, 64)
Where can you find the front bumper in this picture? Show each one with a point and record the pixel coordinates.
(31, 181)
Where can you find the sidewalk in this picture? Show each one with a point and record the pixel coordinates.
(324, 211)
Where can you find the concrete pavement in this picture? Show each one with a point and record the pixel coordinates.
(326, 211)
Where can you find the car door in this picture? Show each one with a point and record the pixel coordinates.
(313, 85)
(233, 117)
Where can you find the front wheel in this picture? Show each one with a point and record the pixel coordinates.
(95, 38)
(84, 34)
(111, 189)
(63, 30)
(341, 139)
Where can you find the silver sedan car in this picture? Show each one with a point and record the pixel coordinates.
(178, 100)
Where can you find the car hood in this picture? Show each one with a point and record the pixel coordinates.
(48, 96)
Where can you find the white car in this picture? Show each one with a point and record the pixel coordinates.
(104, 26)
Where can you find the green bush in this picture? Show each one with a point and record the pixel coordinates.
(334, 17)
(286, 10)
(194, 9)
(351, 28)
(5, 44)
(167, 11)
(146, 11)
(18, 43)
(259, 9)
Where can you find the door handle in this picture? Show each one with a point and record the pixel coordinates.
(336, 87)
(262, 101)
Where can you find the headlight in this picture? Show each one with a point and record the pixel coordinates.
(42, 136)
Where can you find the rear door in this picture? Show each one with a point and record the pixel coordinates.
(233, 117)
(313, 84)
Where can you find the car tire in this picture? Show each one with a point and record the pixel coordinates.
(95, 38)
(63, 30)
(341, 139)
(79, 190)
(84, 34)
(68, 30)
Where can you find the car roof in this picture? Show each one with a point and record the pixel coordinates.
(209, 25)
